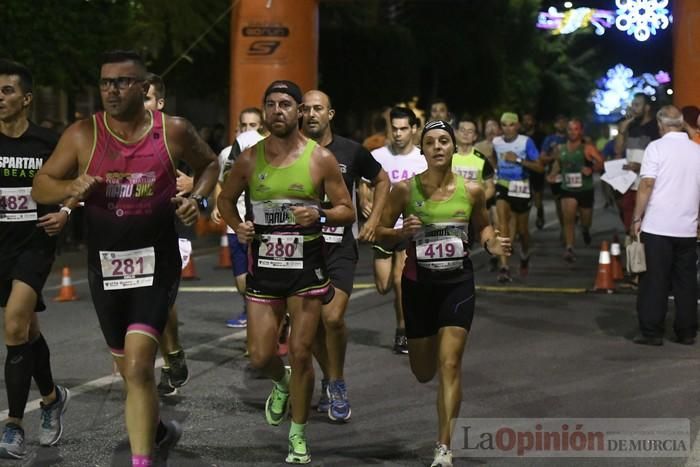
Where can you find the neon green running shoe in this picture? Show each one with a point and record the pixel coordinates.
(298, 452)
(277, 404)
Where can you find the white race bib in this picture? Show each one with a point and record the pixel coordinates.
(574, 179)
(468, 173)
(128, 269)
(333, 234)
(519, 189)
(440, 253)
(281, 252)
(17, 205)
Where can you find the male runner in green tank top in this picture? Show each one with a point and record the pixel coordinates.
(285, 175)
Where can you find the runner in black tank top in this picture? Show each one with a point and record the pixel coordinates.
(355, 162)
(27, 244)
(127, 179)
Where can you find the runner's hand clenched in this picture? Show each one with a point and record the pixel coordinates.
(500, 246)
(186, 209)
(305, 216)
(245, 232)
(411, 226)
(82, 186)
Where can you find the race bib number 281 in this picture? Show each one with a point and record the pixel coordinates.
(128, 269)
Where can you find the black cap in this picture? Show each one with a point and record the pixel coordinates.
(438, 125)
(286, 87)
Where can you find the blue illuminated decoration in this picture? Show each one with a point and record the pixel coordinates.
(642, 18)
(617, 88)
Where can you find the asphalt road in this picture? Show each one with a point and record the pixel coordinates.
(530, 354)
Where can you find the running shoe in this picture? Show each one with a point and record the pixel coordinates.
(339, 410)
(569, 256)
(400, 343)
(298, 452)
(165, 388)
(504, 276)
(12, 442)
(443, 456)
(586, 236)
(524, 267)
(277, 404)
(51, 427)
(240, 322)
(179, 374)
(172, 436)
(324, 402)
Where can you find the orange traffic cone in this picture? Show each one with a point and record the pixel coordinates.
(224, 256)
(617, 273)
(604, 279)
(189, 273)
(67, 292)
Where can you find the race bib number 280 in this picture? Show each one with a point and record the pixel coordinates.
(128, 269)
(281, 252)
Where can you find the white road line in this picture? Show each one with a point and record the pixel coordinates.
(114, 378)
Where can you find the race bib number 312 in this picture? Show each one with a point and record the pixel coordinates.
(128, 269)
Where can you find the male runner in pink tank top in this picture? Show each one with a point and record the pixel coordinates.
(126, 159)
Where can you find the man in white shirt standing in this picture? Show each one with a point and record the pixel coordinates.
(666, 214)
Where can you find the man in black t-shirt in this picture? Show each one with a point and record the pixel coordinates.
(27, 248)
(341, 249)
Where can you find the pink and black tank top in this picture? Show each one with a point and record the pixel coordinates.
(132, 209)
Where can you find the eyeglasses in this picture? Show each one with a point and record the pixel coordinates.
(121, 83)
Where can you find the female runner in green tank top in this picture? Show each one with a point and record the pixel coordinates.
(576, 160)
(438, 280)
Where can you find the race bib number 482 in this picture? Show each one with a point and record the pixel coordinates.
(17, 205)
(128, 269)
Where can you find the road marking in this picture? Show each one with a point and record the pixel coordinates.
(114, 378)
(500, 288)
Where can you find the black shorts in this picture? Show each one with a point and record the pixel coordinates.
(341, 261)
(270, 285)
(384, 249)
(427, 307)
(585, 198)
(517, 205)
(141, 310)
(490, 202)
(31, 267)
(556, 189)
(537, 181)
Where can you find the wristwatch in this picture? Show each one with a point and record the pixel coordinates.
(519, 160)
(202, 202)
(321, 216)
(66, 209)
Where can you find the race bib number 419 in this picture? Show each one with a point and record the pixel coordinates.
(17, 205)
(440, 253)
(128, 269)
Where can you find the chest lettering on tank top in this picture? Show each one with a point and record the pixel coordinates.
(398, 175)
(124, 185)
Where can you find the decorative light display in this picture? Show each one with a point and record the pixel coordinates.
(642, 18)
(566, 22)
(619, 85)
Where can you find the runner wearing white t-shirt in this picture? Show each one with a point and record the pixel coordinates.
(401, 160)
